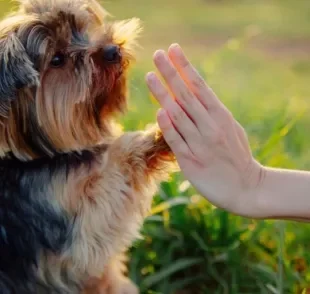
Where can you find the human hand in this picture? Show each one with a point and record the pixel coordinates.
(211, 147)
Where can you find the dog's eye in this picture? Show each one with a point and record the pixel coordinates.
(58, 60)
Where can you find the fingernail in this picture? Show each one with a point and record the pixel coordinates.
(150, 77)
(160, 55)
(176, 49)
(175, 46)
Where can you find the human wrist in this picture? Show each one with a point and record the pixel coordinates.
(247, 203)
(264, 196)
(282, 194)
(244, 201)
(265, 204)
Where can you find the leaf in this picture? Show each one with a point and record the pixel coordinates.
(181, 284)
(169, 204)
(179, 265)
(266, 271)
(272, 289)
(277, 136)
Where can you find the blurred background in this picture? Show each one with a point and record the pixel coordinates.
(256, 56)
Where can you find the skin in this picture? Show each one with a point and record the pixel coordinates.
(212, 148)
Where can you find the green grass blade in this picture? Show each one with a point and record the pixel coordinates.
(179, 265)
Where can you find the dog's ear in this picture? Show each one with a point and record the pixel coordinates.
(16, 69)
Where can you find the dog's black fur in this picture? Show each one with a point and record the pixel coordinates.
(29, 223)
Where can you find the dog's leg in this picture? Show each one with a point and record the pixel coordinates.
(113, 280)
(144, 157)
(135, 164)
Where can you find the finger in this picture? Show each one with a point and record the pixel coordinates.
(191, 76)
(180, 90)
(181, 121)
(177, 144)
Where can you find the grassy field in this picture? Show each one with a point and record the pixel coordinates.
(255, 54)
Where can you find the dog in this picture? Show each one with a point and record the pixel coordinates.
(74, 188)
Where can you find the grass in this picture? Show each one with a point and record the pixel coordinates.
(188, 244)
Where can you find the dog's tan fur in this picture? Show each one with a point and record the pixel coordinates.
(109, 197)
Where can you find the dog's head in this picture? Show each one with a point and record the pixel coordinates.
(62, 76)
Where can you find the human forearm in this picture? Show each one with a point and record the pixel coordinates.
(282, 194)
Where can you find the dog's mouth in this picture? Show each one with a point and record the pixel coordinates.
(117, 73)
(120, 71)
(122, 68)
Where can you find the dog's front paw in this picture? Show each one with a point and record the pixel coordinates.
(161, 143)
(158, 148)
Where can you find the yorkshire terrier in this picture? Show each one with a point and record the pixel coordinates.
(74, 189)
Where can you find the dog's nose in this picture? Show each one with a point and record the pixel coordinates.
(112, 53)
